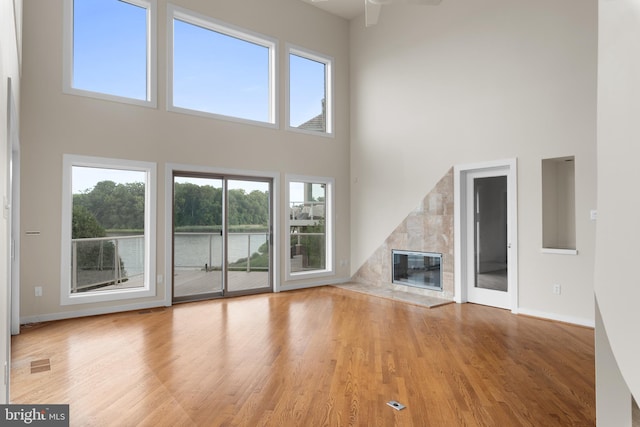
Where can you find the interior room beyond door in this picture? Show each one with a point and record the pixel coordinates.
(487, 222)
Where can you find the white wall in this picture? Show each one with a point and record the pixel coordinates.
(467, 82)
(617, 284)
(10, 18)
(54, 124)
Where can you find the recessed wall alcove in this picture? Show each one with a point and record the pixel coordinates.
(428, 228)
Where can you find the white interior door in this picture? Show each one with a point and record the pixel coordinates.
(487, 236)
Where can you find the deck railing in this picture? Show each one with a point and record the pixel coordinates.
(101, 262)
(210, 255)
(98, 261)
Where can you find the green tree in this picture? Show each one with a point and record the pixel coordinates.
(95, 259)
(84, 224)
(314, 246)
(196, 205)
(115, 206)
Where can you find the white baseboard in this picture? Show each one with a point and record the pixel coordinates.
(89, 312)
(557, 317)
(321, 282)
(152, 304)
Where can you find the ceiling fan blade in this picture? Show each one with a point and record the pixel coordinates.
(371, 13)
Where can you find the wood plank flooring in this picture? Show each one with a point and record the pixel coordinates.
(318, 357)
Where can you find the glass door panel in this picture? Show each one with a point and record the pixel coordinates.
(249, 226)
(490, 233)
(197, 237)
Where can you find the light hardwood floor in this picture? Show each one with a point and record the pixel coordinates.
(318, 357)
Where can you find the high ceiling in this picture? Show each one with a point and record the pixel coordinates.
(347, 9)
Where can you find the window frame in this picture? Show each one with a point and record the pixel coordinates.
(212, 24)
(149, 288)
(151, 57)
(328, 61)
(329, 269)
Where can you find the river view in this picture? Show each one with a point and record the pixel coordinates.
(193, 250)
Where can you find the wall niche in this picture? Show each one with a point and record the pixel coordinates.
(559, 205)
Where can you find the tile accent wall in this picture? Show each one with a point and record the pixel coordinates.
(428, 228)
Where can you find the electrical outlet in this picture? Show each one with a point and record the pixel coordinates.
(38, 291)
(557, 289)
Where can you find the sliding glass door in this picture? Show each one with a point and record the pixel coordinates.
(221, 238)
(197, 237)
(248, 251)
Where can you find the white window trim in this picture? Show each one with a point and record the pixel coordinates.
(329, 269)
(152, 62)
(149, 288)
(191, 17)
(328, 62)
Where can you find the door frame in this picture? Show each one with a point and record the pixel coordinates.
(170, 168)
(12, 207)
(461, 238)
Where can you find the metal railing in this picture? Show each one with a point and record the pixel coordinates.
(100, 262)
(213, 257)
(97, 262)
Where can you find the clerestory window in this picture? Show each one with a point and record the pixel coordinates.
(219, 70)
(310, 107)
(110, 50)
(108, 229)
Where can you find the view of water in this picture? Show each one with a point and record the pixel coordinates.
(198, 249)
(192, 250)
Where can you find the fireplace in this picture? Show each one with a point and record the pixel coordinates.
(418, 269)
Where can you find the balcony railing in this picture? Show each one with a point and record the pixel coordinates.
(100, 262)
(197, 250)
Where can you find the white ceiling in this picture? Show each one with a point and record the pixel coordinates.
(347, 9)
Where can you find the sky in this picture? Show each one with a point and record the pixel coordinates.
(214, 73)
(85, 178)
(110, 48)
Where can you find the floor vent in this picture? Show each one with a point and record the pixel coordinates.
(40, 366)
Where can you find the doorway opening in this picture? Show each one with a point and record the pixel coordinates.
(221, 235)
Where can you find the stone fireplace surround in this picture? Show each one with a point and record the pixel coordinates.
(428, 228)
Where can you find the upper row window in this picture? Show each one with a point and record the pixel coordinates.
(110, 50)
(309, 106)
(218, 69)
(215, 69)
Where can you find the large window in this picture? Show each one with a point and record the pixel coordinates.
(310, 102)
(108, 248)
(310, 225)
(110, 50)
(220, 70)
